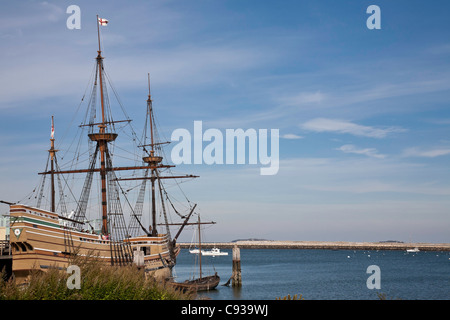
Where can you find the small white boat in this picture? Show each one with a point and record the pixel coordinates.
(413, 250)
(213, 252)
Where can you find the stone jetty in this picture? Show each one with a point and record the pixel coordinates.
(337, 245)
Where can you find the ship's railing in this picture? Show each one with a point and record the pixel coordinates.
(30, 210)
(161, 238)
(59, 221)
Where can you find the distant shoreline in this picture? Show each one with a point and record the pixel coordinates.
(330, 245)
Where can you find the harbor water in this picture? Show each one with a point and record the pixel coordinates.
(268, 274)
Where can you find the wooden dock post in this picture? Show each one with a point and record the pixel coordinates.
(237, 278)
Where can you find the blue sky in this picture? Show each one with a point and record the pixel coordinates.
(363, 114)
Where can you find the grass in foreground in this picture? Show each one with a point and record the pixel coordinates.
(98, 282)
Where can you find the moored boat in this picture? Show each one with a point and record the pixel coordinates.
(213, 252)
(201, 283)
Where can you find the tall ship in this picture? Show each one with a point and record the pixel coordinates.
(107, 220)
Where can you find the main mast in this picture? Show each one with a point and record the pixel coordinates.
(52, 152)
(102, 137)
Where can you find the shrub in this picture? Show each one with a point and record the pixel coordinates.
(98, 282)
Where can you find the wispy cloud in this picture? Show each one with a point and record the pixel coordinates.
(303, 98)
(186, 66)
(32, 14)
(370, 152)
(442, 121)
(429, 153)
(440, 49)
(357, 175)
(344, 126)
(291, 136)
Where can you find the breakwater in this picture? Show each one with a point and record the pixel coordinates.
(336, 245)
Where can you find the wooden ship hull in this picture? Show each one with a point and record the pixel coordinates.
(41, 240)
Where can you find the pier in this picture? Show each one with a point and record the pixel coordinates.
(338, 245)
(236, 275)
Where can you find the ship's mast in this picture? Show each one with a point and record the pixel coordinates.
(152, 160)
(102, 138)
(199, 248)
(152, 154)
(52, 152)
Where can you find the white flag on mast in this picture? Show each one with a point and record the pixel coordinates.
(102, 22)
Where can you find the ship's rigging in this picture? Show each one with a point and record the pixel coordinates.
(148, 169)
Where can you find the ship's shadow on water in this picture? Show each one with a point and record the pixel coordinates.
(268, 274)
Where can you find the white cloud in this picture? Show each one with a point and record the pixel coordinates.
(370, 152)
(430, 153)
(343, 126)
(291, 136)
(32, 14)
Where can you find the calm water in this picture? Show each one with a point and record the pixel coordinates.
(326, 274)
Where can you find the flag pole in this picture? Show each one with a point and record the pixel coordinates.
(98, 33)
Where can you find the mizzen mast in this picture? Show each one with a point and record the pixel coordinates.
(152, 160)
